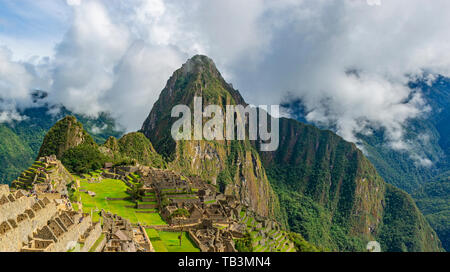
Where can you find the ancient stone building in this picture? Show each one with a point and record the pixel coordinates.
(30, 224)
(211, 239)
(122, 236)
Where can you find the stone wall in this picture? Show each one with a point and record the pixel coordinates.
(92, 237)
(71, 236)
(10, 210)
(147, 206)
(30, 221)
(197, 242)
(101, 245)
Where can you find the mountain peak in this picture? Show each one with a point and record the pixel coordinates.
(198, 77)
(65, 134)
(198, 64)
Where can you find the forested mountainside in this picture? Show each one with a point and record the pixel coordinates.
(433, 200)
(322, 178)
(20, 141)
(429, 139)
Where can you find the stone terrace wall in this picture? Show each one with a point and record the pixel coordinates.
(71, 236)
(197, 242)
(92, 237)
(11, 210)
(12, 240)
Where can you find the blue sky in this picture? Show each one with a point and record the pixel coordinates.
(30, 27)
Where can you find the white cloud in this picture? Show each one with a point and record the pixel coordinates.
(348, 61)
(73, 2)
(15, 82)
(14, 78)
(9, 116)
(374, 2)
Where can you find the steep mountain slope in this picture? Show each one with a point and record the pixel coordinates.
(233, 165)
(433, 200)
(428, 138)
(322, 178)
(132, 146)
(15, 155)
(66, 134)
(71, 144)
(24, 138)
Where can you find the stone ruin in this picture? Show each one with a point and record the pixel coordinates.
(202, 201)
(121, 236)
(216, 213)
(46, 175)
(30, 224)
(211, 218)
(212, 239)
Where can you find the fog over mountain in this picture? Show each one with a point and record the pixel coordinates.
(348, 61)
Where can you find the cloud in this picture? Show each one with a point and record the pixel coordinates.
(106, 62)
(349, 62)
(10, 116)
(15, 82)
(73, 2)
(374, 2)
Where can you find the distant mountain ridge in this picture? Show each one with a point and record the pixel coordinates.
(21, 140)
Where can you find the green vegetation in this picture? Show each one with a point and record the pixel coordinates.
(136, 191)
(316, 176)
(64, 135)
(170, 242)
(180, 213)
(244, 244)
(404, 228)
(223, 179)
(83, 158)
(432, 199)
(20, 141)
(137, 146)
(113, 189)
(301, 245)
(15, 154)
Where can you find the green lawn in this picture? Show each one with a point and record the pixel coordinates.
(164, 241)
(111, 188)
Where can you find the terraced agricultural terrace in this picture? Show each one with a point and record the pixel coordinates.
(266, 236)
